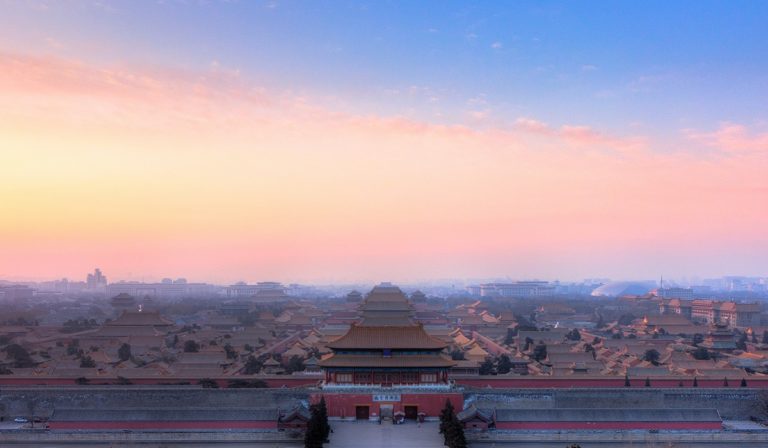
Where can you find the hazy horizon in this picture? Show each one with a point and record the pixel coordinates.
(313, 141)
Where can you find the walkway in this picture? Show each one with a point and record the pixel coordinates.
(386, 435)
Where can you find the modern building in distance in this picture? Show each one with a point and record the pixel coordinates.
(676, 293)
(261, 289)
(16, 292)
(621, 288)
(165, 289)
(97, 280)
(515, 289)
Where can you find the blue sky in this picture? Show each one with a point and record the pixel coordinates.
(616, 65)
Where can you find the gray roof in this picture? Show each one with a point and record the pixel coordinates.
(161, 414)
(472, 412)
(300, 412)
(608, 415)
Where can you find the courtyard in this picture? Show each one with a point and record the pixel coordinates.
(372, 435)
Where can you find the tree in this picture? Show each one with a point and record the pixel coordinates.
(454, 434)
(743, 382)
(528, 343)
(573, 335)
(725, 382)
(510, 338)
(231, 353)
(20, 356)
(701, 354)
(450, 427)
(191, 346)
(647, 382)
(695, 382)
(446, 414)
(600, 322)
(652, 356)
(124, 352)
(741, 344)
(208, 383)
(524, 324)
(626, 381)
(504, 365)
(313, 437)
(540, 352)
(588, 348)
(252, 366)
(765, 337)
(295, 364)
(318, 428)
(322, 412)
(87, 362)
(486, 368)
(626, 319)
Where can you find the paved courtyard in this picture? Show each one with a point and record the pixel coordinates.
(373, 435)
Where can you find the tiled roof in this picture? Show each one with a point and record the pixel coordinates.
(608, 415)
(160, 414)
(472, 412)
(381, 361)
(393, 337)
(140, 318)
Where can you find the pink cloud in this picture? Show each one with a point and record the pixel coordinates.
(581, 136)
(278, 181)
(731, 138)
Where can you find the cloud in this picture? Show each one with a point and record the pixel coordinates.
(497, 45)
(731, 138)
(581, 136)
(184, 167)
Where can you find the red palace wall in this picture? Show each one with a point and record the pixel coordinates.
(341, 404)
(165, 425)
(609, 425)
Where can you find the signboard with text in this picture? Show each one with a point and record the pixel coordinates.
(386, 397)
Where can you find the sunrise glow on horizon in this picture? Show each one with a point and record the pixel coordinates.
(322, 141)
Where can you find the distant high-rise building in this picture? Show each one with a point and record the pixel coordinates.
(517, 289)
(96, 280)
(261, 289)
(15, 292)
(162, 289)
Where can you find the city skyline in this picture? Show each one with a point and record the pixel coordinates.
(325, 142)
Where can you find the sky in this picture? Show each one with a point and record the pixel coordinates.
(334, 141)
